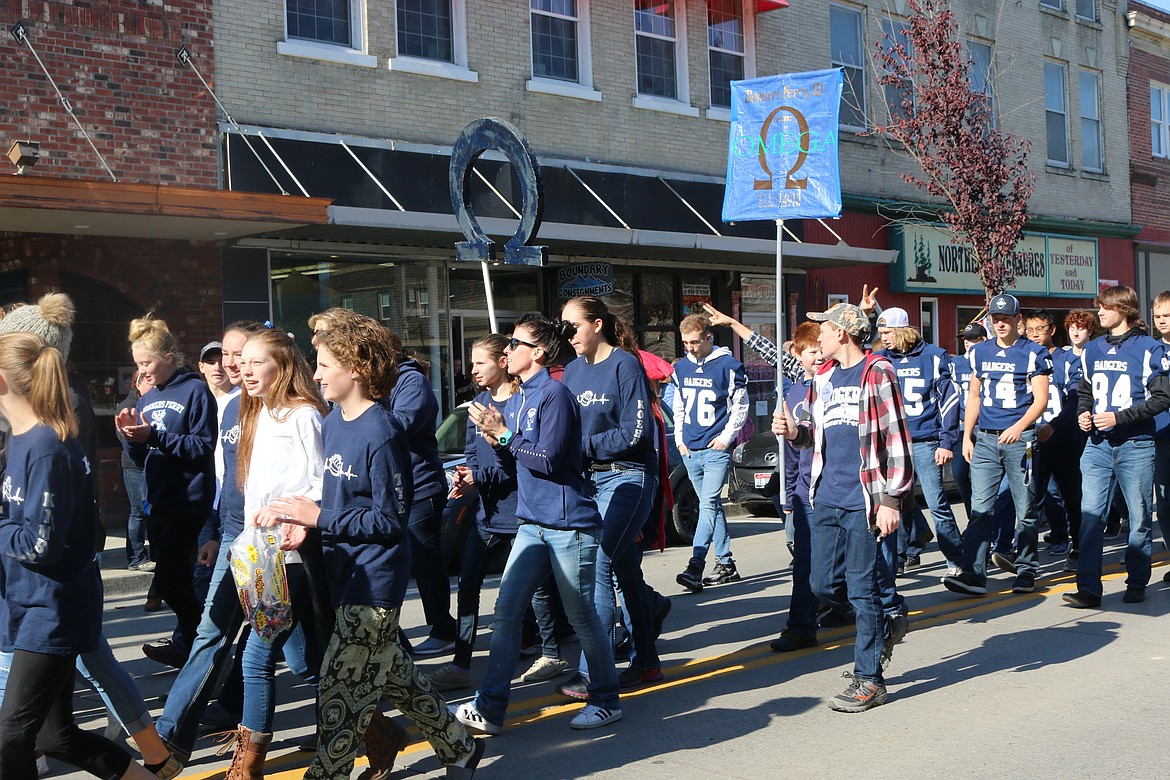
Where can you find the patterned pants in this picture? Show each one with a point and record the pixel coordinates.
(363, 663)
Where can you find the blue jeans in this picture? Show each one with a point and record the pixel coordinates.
(426, 566)
(210, 659)
(708, 472)
(802, 606)
(990, 464)
(136, 521)
(624, 499)
(1130, 467)
(113, 683)
(930, 477)
(570, 557)
(841, 534)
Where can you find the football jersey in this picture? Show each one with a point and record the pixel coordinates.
(1119, 376)
(1062, 392)
(1005, 374)
(961, 366)
(928, 393)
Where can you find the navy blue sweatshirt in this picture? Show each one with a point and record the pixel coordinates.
(497, 485)
(1125, 375)
(414, 403)
(231, 498)
(52, 592)
(546, 448)
(178, 459)
(614, 398)
(365, 502)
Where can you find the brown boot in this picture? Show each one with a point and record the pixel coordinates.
(248, 759)
(384, 739)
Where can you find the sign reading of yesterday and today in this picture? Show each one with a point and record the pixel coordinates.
(928, 261)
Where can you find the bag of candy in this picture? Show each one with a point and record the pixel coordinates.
(258, 569)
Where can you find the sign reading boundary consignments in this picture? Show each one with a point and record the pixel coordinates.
(929, 261)
(782, 158)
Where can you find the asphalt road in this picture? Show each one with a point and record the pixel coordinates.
(1010, 686)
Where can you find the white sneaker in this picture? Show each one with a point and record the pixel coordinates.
(592, 717)
(42, 765)
(545, 669)
(953, 570)
(469, 716)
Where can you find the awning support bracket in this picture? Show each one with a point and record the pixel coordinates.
(597, 197)
(686, 203)
(370, 173)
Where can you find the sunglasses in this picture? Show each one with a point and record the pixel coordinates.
(517, 342)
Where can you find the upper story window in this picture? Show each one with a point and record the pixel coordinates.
(847, 42)
(896, 33)
(726, 48)
(1159, 111)
(1087, 9)
(425, 30)
(555, 40)
(321, 21)
(1055, 4)
(1091, 146)
(1056, 114)
(981, 77)
(657, 32)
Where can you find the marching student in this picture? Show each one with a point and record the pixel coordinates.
(52, 606)
(1124, 387)
(862, 474)
(961, 363)
(1082, 327)
(363, 517)
(710, 408)
(1162, 435)
(930, 402)
(1009, 392)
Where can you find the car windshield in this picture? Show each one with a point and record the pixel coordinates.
(452, 432)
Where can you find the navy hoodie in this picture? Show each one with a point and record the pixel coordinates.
(178, 459)
(614, 398)
(365, 504)
(52, 592)
(497, 485)
(414, 403)
(546, 448)
(231, 498)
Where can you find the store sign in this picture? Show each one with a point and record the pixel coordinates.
(585, 279)
(929, 261)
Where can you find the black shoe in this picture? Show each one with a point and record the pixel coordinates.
(1166, 576)
(621, 651)
(722, 574)
(1134, 595)
(861, 695)
(790, 640)
(1048, 537)
(833, 618)
(1005, 561)
(692, 578)
(896, 627)
(1082, 600)
(912, 562)
(1025, 583)
(575, 688)
(660, 617)
(467, 771)
(966, 584)
(165, 652)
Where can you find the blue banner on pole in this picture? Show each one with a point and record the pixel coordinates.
(782, 158)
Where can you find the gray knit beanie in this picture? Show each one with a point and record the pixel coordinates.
(51, 318)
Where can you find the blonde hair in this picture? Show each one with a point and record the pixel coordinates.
(293, 387)
(331, 318)
(152, 334)
(905, 338)
(36, 372)
(362, 345)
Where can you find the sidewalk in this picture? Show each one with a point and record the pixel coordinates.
(116, 578)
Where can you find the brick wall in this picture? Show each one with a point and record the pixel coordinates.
(1149, 175)
(115, 62)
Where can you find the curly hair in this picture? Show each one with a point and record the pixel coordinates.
(1083, 319)
(362, 345)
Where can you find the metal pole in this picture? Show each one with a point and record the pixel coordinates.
(780, 309)
(491, 300)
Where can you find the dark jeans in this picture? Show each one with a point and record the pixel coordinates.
(427, 567)
(173, 539)
(136, 522)
(1060, 462)
(843, 534)
(802, 607)
(37, 714)
(475, 558)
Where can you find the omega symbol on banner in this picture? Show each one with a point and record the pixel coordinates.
(802, 145)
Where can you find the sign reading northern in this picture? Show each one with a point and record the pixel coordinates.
(782, 160)
(928, 261)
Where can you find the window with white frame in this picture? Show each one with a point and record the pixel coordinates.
(320, 21)
(1159, 111)
(1091, 145)
(556, 40)
(1056, 113)
(895, 34)
(385, 307)
(1055, 4)
(657, 26)
(981, 78)
(726, 48)
(847, 44)
(426, 30)
(1087, 9)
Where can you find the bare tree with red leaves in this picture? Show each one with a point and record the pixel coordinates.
(947, 128)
